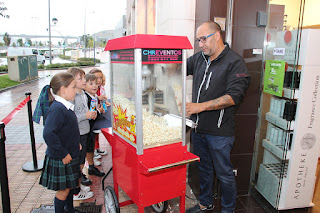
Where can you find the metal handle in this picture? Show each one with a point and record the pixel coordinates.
(159, 168)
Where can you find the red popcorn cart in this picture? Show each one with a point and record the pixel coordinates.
(148, 91)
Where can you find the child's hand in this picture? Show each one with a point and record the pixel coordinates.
(67, 159)
(108, 103)
(91, 115)
(101, 110)
(80, 146)
(102, 97)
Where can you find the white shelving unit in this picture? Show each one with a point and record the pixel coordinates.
(286, 177)
(280, 122)
(290, 93)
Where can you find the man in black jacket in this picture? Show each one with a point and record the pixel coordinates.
(220, 79)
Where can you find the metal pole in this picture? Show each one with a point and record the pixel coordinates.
(4, 173)
(146, 17)
(49, 33)
(35, 165)
(94, 41)
(84, 33)
(94, 50)
(229, 22)
(33, 140)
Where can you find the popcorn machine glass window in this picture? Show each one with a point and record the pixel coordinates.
(124, 116)
(148, 84)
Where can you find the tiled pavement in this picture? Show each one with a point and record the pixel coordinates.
(25, 191)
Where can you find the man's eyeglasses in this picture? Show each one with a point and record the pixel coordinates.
(204, 39)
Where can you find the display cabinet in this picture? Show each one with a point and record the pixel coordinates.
(287, 138)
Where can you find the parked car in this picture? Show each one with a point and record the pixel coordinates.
(16, 51)
(47, 54)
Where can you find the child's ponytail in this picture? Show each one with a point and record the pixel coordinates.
(50, 96)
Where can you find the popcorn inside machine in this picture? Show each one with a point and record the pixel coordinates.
(148, 86)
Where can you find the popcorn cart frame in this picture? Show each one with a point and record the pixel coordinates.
(148, 174)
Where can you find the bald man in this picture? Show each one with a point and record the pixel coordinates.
(220, 80)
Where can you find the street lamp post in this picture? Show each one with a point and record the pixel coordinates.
(64, 41)
(54, 21)
(94, 49)
(49, 33)
(85, 38)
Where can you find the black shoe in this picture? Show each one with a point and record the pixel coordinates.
(197, 209)
(85, 181)
(95, 171)
(75, 211)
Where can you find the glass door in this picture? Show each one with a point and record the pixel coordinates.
(288, 41)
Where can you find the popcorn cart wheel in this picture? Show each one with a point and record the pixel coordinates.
(160, 207)
(111, 202)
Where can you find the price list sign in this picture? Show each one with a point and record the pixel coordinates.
(122, 56)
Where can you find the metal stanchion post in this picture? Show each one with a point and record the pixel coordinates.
(3, 172)
(35, 165)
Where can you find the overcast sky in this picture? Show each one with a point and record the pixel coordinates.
(32, 16)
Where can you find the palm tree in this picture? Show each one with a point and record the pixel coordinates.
(20, 42)
(7, 39)
(29, 42)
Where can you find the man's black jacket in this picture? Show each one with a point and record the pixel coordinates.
(227, 74)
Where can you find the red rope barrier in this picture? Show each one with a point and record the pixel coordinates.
(9, 117)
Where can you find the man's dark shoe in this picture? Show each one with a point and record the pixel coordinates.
(85, 181)
(197, 209)
(96, 172)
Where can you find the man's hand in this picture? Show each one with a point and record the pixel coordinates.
(216, 104)
(194, 108)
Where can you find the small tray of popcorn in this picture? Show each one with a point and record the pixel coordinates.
(148, 90)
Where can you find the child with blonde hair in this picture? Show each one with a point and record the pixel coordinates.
(105, 121)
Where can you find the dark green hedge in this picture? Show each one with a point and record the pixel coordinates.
(89, 59)
(67, 65)
(65, 57)
(4, 68)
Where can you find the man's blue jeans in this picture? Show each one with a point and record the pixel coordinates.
(214, 153)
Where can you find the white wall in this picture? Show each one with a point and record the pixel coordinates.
(177, 18)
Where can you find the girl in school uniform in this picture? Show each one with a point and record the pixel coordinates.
(105, 120)
(61, 134)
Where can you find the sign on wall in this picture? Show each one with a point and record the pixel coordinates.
(274, 77)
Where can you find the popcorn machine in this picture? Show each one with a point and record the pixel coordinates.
(148, 86)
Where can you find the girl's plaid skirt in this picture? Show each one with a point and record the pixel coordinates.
(57, 176)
